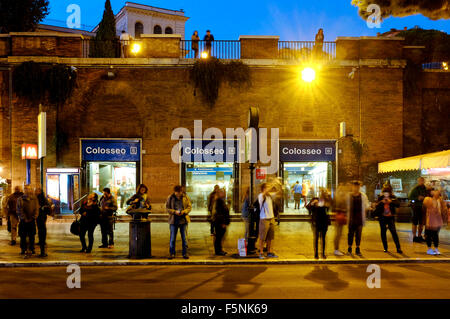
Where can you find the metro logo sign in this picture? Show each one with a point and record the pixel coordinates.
(29, 151)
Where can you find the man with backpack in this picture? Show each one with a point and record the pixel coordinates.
(11, 211)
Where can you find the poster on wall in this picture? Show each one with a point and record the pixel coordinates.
(396, 184)
(76, 188)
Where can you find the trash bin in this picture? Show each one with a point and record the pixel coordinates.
(140, 245)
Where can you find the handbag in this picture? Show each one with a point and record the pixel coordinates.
(341, 218)
(75, 227)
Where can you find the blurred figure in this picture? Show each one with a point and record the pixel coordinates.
(220, 221)
(416, 197)
(140, 200)
(357, 204)
(209, 38)
(178, 206)
(122, 191)
(45, 209)
(266, 222)
(286, 192)
(125, 42)
(305, 192)
(318, 44)
(318, 207)
(11, 212)
(385, 211)
(297, 190)
(276, 194)
(108, 207)
(28, 211)
(342, 193)
(90, 216)
(245, 213)
(210, 207)
(195, 39)
(436, 217)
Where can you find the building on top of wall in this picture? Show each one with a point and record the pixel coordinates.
(137, 19)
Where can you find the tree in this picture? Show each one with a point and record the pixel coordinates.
(437, 43)
(105, 43)
(22, 15)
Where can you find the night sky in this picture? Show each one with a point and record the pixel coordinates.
(291, 20)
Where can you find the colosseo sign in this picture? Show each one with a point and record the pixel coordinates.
(307, 151)
(213, 151)
(110, 150)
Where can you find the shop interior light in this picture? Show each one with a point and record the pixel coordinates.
(136, 48)
(204, 55)
(308, 74)
(445, 66)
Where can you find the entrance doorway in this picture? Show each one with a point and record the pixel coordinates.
(63, 188)
(200, 179)
(120, 177)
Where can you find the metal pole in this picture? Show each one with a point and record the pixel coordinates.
(28, 172)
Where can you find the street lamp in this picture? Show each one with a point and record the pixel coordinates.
(308, 74)
(136, 48)
(204, 55)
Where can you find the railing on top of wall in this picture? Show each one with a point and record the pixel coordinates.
(306, 50)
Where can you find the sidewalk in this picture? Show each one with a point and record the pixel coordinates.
(293, 245)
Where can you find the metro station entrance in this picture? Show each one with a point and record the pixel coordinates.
(306, 167)
(113, 164)
(205, 164)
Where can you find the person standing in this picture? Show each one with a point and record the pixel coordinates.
(436, 217)
(178, 206)
(45, 209)
(318, 44)
(245, 213)
(210, 207)
(266, 222)
(209, 38)
(28, 211)
(11, 212)
(416, 197)
(140, 200)
(125, 42)
(385, 210)
(108, 207)
(357, 204)
(297, 190)
(195, 39)
(320, 220)
(220, 220)
(90, 215)
(286, 191)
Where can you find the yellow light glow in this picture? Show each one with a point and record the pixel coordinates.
(204, 55)
(136, 48)
(308, 74)
(445, 66)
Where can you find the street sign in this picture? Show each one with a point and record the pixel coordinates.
(29, 151)
(260, 173)
(42, 134)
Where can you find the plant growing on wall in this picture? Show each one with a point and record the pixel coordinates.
(28, 81)
(208, 74)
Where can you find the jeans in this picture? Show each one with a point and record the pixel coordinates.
(42, 234)
(337, 236)
(107, 229)
(173, 238)
(432, 235)
(385, 223)
(220, 234)
(89, 229)
(319, 233)
(14, 220)
(27, 230)
(354, 231)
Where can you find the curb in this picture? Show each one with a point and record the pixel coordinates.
(147, 262)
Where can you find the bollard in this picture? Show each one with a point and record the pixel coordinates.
(140, 245)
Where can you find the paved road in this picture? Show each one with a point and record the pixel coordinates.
(211, 282)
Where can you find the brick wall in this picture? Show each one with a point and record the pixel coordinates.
(24, 44)
(149, 103)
